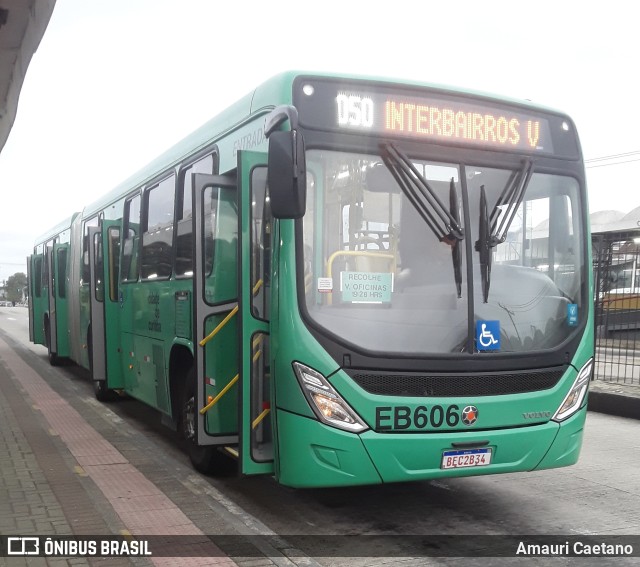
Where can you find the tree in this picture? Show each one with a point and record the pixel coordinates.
(15, 286)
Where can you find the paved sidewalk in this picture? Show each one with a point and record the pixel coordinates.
(41, 493)
(59, 476)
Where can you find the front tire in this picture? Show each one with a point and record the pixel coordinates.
(205, 459)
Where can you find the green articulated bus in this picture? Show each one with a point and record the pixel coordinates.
(342, 281)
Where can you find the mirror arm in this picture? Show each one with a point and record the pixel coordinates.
(279, 115)
(296, 169)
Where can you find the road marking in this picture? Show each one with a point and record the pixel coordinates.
(79, 471)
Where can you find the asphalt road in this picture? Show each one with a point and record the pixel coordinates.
(594, 500)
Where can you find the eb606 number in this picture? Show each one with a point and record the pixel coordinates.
(398, 418)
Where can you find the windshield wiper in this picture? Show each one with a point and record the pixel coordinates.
(513, 193)
(484, 244)
(445, 224)
(456, 248)
(490, 234)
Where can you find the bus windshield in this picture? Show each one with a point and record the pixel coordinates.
(380, 277)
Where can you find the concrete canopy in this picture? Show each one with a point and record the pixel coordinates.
(22, 25)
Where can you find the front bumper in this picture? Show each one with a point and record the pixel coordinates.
(314, 455)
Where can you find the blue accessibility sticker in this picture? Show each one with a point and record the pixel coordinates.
(572, 314)
(488, 335)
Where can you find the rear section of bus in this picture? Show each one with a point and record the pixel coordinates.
(48, 273)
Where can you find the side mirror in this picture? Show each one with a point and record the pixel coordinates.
(287, 175)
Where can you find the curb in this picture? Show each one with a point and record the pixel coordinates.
(614, 404)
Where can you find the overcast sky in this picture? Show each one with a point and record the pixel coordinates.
(116, 82)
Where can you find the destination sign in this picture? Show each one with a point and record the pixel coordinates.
(441, 120)
(435, 116)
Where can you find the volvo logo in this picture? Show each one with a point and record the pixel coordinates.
(469, 415)
(536, 414)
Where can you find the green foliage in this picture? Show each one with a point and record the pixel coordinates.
(15, 286)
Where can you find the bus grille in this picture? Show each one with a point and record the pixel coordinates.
(455, 385)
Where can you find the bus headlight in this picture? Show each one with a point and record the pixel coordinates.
(325, 402)
(573, 401)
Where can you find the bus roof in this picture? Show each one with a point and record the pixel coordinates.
(57, 229)
(276, 90)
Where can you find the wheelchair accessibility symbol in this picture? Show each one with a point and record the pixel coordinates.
(488, 335)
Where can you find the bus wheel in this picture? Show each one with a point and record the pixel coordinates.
(54, 359)
(203, 459)
(100, 389)
(103, 394)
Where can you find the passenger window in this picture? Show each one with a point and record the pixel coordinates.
(37, 277)
(62, 272)
(98, 267)
(184, 240)
(113, 234)
(210, 208)
(45, 273)
(157, 240)
(86, 273)
(219, 244)
(261, 222)
(129, 262)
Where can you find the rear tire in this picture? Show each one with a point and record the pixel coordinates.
(54, 359)
(102, 392)
(100, 388)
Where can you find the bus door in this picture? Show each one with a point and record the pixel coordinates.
(51, 301)
(251, 381)
(215, 313)
(255, 246)
(29, 302)
(59, 318)
(105, 322)
(36, 303)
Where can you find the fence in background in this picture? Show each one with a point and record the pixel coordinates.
(616, 267)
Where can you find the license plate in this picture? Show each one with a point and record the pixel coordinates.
(466, 458)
